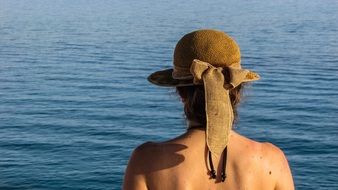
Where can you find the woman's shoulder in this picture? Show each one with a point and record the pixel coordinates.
(151, 153)
(265, 158)
(154, 150)
(143, 153)
(257, 147)
(265, 151)
(140, 164)
(146, 146)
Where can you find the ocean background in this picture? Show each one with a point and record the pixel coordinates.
(75, 102)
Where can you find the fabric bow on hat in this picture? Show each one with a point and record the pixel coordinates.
(219, 113)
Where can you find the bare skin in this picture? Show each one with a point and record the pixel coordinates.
(181, 163)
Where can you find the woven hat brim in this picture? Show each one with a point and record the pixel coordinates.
(164, 78)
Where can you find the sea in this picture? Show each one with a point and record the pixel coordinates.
(75, 101)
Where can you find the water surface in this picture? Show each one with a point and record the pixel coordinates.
(74, 100)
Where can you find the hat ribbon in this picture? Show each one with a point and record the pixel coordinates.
(218, 108)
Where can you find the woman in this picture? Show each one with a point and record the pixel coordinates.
(208, 77)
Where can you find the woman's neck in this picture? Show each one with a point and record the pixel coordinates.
(194, 124)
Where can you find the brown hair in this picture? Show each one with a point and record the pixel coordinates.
(194, 100)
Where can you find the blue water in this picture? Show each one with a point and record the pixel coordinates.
(74, 100)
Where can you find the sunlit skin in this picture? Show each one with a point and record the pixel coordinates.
(181, 163)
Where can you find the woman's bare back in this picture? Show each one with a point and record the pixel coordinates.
(181, 164)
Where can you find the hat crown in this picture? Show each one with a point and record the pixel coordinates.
(212, 46)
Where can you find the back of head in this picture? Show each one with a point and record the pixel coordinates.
(193, 98)
(212, 46)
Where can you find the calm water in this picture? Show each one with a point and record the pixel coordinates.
(74, 100)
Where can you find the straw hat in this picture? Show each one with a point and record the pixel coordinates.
(199, 59)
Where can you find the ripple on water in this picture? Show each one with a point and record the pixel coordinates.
(75, 102)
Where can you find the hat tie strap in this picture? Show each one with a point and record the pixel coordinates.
(218, 108)
(224, 162)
